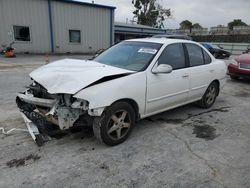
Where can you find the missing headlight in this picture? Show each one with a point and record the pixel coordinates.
(81, 104)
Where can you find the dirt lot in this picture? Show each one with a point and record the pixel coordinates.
(185, 147)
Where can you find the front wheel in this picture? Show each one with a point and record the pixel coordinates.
(210, 95)
(115, 124)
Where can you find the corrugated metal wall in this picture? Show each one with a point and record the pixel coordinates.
(1, 25)
(93, 22)
(32, 13)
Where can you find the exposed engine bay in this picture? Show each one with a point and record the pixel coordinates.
(52, 113)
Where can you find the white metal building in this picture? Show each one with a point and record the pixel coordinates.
(55, 26)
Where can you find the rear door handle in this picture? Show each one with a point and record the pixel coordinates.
(211, 70)
(185, 76)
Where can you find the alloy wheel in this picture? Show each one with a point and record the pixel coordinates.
(211, 95)
(119, 125)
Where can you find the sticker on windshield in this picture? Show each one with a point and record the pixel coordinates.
(147, 50)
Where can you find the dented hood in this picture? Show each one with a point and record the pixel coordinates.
(70, 76)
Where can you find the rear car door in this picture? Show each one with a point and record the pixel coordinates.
(167, 90)
(201, 70)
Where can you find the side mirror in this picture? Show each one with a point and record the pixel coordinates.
(162, 68)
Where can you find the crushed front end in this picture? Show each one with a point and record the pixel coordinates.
(47, 114)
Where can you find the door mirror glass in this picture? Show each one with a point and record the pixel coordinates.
(162, 68)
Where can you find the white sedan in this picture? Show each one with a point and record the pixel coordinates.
(128, 82)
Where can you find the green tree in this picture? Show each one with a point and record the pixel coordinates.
(186, 24)
(236, 22)
(197, 26)
(151, 13)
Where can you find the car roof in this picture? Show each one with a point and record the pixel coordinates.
(161, 40)
(173, 36)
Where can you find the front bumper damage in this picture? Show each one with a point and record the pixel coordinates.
(46, 117)
(34, 132)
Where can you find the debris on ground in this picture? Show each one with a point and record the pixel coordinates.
(21, 161)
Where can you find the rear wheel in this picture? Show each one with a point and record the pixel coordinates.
(115, 124)
(210, 95)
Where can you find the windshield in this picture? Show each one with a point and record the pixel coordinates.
(134, 56)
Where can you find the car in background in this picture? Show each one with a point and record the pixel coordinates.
(240, 67)
(217, 51)
(246, 51)
(173, 36)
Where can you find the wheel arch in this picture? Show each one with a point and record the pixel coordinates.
(133, 103)
(218, 84)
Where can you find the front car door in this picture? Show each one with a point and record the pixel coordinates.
(201, 70)
(168, 90)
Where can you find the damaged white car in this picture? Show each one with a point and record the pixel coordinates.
(130, 81)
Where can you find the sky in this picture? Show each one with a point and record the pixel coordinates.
(207, 13)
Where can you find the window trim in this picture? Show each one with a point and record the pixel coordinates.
(203, 52)
(76, 43)
(185, 58)
(21, 41)
(189, 64)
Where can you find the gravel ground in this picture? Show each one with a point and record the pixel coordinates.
(185, 147)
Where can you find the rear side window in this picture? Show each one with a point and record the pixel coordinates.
(207, 58)
(195, 55)
(173, 55)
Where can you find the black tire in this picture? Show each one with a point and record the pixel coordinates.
(234, 77)
(210, 95)
(115, 124)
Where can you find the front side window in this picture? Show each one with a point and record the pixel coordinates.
(75, 36)
(195, 55)
(21, 33)
(130, 55)
(173, 55)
